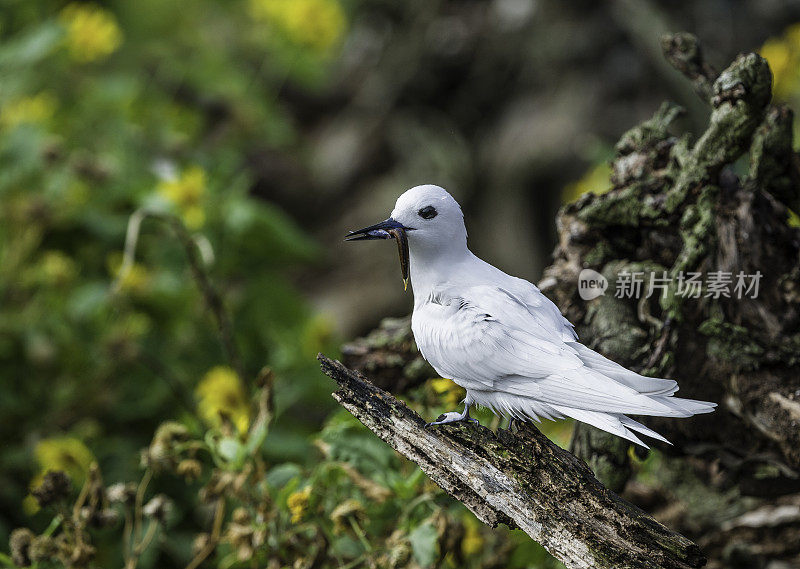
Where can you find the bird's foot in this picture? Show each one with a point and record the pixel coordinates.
(453, 417)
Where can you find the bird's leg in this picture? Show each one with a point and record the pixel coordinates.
(454, 417)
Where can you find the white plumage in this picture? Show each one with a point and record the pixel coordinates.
(507, 344)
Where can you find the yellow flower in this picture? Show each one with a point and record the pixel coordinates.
(779, 55)
(317, 334)
(194, 217)
(64, 453)
(136, 279)
(783, 55)
(186, 193)
(92, 32)
(472, 544)
(297, 503)
(317, 24)
(451, 392)
(596, 180)
(29, 504)
(186, 190)
(221, 391)
(57, 268)
(28, 110)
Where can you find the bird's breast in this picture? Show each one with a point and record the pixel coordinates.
(427, 323)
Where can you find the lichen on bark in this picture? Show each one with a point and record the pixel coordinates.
(678, 204)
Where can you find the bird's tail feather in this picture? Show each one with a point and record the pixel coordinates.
(686, 407)
(637, 426)
(525, 408)
(592, 398)
(641, 383)
(619, 425)
(616, 423)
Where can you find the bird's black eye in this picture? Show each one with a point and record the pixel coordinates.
(428, 212)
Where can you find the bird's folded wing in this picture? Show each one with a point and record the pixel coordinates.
(484, 340)
(470, 337)
(541, 308)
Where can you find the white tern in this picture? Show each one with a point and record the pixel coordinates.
(501, 339)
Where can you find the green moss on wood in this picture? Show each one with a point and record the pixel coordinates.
(771, 156)
(651, 132)
(697, 229)
(741, 93)
(731, 344)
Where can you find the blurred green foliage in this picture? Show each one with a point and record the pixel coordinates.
(356, 504)
(111, 111)
(108, 109)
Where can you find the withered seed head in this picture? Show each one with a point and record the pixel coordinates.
(55, 486)
(20, 543)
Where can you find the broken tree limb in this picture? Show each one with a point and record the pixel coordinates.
(521, 479)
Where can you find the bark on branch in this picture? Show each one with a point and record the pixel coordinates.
(521, 479)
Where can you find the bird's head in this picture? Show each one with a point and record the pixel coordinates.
(425, 219)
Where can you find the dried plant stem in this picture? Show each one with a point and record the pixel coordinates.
(140, 547)
(213, 540)
(137, 508)
(198, 254)
(127, 531)
(77, 524)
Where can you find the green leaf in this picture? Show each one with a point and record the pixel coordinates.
(424, 544)
(347, 547)
(32, 47)
(256, 437)
(279, 476)
(230, 449)
(262, 230)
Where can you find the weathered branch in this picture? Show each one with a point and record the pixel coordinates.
(521, 479)
(684, 53)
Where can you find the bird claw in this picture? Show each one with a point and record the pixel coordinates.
(452, 417)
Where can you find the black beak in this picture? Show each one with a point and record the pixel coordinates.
(388, 229)
(377, 231)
